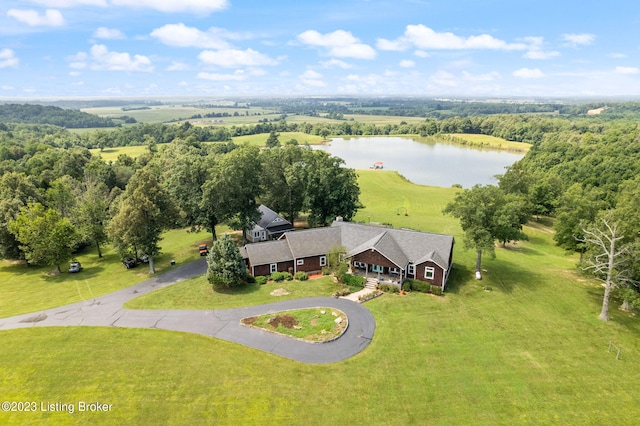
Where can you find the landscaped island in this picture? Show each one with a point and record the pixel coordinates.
(309, 325)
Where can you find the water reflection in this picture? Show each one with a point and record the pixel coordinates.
(424, 161)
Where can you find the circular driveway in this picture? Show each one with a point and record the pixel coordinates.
(223, 324)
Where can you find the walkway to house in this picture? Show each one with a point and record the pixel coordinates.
(222, 324)
(369, 287)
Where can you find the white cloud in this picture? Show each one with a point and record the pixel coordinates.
(528, 73)
(70, 3)
(536, 49)
(239, 75)
(172, 6)
(311, 74)
(421, 54)
(51, 17)
(541, 54)
(627, 70)
(493, 75)
(233, 58)
(617, 55)
(340, 43)
(423, 37)
(443, 78)
(5, 87)
(335, 63)
(575, 40)
(8, 59)
(100, 58)
(108, 33)
(405, 63)
(177, 66)
(312, 78)
(179, 35)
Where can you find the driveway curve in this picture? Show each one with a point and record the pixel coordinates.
(223, 324)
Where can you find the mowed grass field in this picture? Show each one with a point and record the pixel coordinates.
(111, 154)
(529, 351)
(488, 141)
(29, 289)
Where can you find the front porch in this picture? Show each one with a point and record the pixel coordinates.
(377, 277)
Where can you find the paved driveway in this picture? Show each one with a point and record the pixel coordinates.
(223, 324)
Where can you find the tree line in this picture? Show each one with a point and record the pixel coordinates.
(184, 184)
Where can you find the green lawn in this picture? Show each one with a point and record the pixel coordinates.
(312, 325)
(111, 154)
(28, 288)
(530, 351)
(261, 139)
(196, 293)
(489, 142)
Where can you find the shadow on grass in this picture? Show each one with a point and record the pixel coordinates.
(459, 277)
(507, 276)
(627, 318)
(237, 291)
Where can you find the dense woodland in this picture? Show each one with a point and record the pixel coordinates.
(579, 168)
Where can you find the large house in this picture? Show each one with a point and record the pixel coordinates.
(374, 251)
(270, 226)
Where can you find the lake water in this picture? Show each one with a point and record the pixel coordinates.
(424, 161)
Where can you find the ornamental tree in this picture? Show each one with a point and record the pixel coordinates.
(225, 265)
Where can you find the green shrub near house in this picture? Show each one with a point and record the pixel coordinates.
(301, 276)
(355, 281)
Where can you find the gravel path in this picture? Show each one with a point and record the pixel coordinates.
(223, 324)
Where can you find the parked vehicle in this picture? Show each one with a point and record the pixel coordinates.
(203, 249)
(129, 263)
(75, 267)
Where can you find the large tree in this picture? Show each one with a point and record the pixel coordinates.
(226, 267)
(92, 212)
(16, 190)
(487, 215)
(284, 177)
(45, 236)
(230, 193)
(332, 190)
(607, 258)
(142, 213)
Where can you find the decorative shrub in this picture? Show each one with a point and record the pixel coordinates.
(326, 270)
(417, 285)
(287, 276)
(251, 279)
(278, 276)
(342, 292)
(389, 288)
(261, 279)
(406, 286)
(352, 280)
(301, 276)
(437, 290)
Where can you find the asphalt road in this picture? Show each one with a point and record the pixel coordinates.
(222, 324)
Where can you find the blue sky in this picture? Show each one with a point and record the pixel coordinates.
(481, 48)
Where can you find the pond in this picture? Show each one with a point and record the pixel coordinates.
(425, 161)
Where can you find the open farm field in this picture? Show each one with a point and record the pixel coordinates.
(284, 137)
(169, 113)
(522, 346)
(111, 154)
(488, 142)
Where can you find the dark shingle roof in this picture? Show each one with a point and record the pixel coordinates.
(401, 246)
(268, 252)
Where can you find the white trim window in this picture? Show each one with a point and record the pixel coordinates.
(411, 269)
(394, 271)
(300, 262)
(273, 267)
(377, 268)
(429, 272)
(323, 260)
